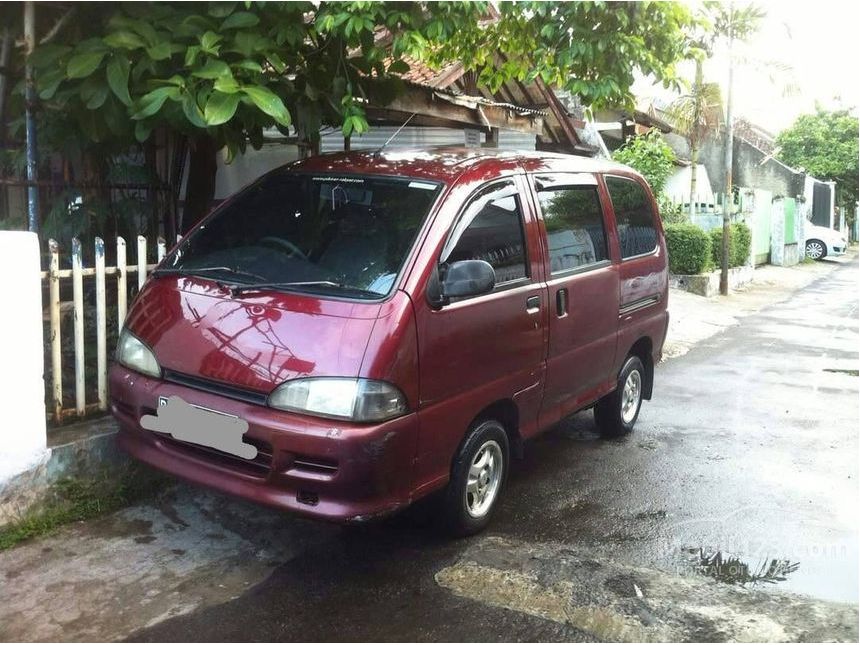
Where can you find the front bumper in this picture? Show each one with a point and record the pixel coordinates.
(836, 249)
(321, 468)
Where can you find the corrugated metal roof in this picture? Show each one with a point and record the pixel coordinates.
(418, 137)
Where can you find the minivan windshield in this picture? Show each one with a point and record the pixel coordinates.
(341, 235)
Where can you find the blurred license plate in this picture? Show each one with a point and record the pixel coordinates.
(198, 425)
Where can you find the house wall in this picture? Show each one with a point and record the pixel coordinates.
(22, 415)
(247, 167)
(712, 155)
(678, 186)
(752, 167)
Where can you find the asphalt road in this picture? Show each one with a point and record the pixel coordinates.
(749, 449)
(742, 469)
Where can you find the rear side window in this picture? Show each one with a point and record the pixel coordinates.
(491, 229)
(633, 215)
(574, 227)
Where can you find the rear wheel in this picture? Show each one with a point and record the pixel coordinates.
(815, 249)
(477, 478)
(616, 413)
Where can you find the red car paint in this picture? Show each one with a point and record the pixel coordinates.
(452, 364)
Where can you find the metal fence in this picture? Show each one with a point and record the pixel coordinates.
(56, 279)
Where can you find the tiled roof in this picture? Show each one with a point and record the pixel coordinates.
(421, 73)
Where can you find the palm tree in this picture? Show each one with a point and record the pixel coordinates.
(697, 115)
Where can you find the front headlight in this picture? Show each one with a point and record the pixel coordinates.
(355, 399)
(134, 354)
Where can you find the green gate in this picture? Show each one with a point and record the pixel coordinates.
(760, 222)
(790, 213)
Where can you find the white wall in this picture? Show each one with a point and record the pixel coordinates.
(678, 186)
(22, 389)
(247, 167)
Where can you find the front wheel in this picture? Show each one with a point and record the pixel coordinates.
(477, 477)
(815, 249)
(616, 413)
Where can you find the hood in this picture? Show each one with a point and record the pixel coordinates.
(257, 342)
(823, 233)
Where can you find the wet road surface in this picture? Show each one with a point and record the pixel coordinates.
(742, 469)
(748, 450)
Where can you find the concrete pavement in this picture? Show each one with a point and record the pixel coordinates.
(748, 450)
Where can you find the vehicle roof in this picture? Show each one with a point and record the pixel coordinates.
(447, 164)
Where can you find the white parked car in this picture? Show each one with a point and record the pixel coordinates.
(822, 241)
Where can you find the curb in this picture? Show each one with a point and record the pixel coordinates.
(77, 450)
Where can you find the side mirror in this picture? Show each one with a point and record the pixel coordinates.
(459, 280)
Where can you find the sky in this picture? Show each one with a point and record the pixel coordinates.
(820, 43)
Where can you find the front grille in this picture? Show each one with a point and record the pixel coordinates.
(259, 466)
(215, 387)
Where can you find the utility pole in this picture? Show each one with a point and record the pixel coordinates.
(728, 202)
(30, 100)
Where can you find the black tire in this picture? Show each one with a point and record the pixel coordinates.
(608, 415)
(458, 521)
(815, 249)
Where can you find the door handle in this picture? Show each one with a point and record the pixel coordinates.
(561, 303)
(533, 304)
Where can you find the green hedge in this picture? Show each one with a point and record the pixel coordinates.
(689, 249)
(740, 240)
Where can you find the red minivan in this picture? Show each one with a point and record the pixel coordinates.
(353, 332)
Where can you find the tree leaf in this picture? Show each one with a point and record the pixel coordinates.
(268, 102)
(124, 39)
(220, 108)
(212, 69)
(48, 54)
(98, 97)
(48, 83)
(240, 20)
(117, 77)
(82, 65)
(161, 51)
(250, 65)
(192, 110)
(226, 84)
(142, 131)
(221, 9)
(276, 62)
(151, 103)
(208, 42)
(191, 55)
(398, 67)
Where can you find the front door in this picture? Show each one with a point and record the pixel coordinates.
(478, 350)
(582, 284)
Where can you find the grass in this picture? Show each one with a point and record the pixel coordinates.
(76, 499)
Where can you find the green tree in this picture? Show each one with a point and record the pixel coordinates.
(651, 156)
(655, 160)
(591, 49)
(825, 144)
(219, 73)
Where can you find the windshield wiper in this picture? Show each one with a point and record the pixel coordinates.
(243, 288)
(198, 270)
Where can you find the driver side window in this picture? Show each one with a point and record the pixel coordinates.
(491, 229)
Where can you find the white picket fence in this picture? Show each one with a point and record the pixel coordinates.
(55, 308)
